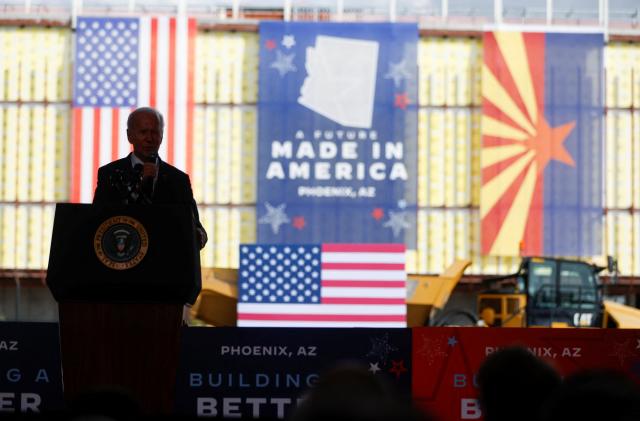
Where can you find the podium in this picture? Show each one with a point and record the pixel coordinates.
(121, 276)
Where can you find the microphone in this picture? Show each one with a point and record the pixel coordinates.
(148, 179)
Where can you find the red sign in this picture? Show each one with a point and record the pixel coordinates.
(446, 360)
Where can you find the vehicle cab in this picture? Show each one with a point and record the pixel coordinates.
(561, 292)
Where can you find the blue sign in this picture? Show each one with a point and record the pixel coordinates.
(30, 373)
(337, 147)
(261, 373)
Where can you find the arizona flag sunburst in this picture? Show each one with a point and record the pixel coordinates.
(541, 154)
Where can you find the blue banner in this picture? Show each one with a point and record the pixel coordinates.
(30, 373)
(337, 147)
(261, 373)
(573, 194)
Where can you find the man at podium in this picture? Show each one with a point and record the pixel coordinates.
(142, 177)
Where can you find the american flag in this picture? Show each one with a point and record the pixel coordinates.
(121, 64)
(328, 285)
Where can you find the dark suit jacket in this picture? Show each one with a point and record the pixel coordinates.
(172, 186)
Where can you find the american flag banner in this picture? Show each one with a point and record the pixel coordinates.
(121, 64)
(328, 285)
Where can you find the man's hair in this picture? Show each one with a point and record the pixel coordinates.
(142, 110)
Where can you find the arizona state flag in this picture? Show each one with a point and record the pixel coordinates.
(542, 131)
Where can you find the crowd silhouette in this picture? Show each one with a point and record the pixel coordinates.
(514, 385)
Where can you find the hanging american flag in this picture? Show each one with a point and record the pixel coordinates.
(121, 64)
(328, 285)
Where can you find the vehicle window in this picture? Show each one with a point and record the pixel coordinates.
(542, 284)
(578, 288)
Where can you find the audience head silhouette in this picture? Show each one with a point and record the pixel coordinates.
(515, 384)
(350, 392)
(595, 395)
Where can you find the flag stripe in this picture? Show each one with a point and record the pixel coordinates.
(171, 110)
(316, 323)
(191, 41)
(364, 284)
(362, 300)
(76, 170)
(115, 133)
(179, 128)
(96, 148)
(153, 63)
(104, 130)
(323, 317)
(385, 248)
(365, 275)
(86, 158)
(350, 292)
(162, 79)
(363, 266)
(292, 309)
(124, 147)
(363, 257)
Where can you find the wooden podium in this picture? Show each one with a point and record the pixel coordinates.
(121, 277)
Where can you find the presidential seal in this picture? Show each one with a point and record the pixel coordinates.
(121, 242)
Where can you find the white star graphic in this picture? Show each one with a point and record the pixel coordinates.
(374, 367)
(398, 72)
(275, 217)
(397, 222)
(452, 341)
(288, 41)
(283, 63)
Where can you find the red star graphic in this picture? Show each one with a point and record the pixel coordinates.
(548, 143)
(398, 368)
(377, 214)
(270, 44)
(299, 222)
(401, 101)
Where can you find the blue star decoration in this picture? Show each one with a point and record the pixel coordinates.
(397, 222)
(283, 63)
(381, 348)
(275, 217)
(398, 72)
(452, 341)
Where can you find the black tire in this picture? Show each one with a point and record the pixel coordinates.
(456, 318)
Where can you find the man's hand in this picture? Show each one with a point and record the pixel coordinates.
(149, 169)
(202, 237)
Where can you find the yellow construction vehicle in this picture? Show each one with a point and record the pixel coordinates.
(543, 292)
(552, 292)
(426, 296)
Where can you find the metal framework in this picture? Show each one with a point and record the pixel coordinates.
(596, 14)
